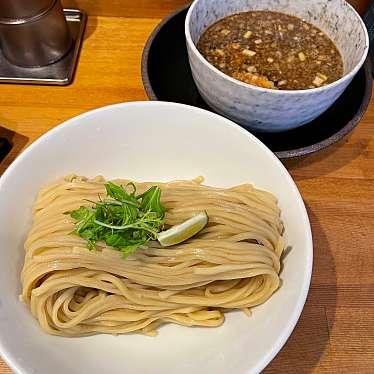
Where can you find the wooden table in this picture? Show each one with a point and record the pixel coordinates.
(335, 333)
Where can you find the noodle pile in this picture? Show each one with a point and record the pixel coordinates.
(231, 264)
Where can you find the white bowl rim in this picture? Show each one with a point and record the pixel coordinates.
(341, 80)
(11, 358)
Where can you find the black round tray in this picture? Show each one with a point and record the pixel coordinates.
(167, 76)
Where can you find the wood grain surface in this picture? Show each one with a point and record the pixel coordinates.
(335, 333)
(126, 8)
(150, 8)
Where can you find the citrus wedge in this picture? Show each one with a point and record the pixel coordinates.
(185, 230)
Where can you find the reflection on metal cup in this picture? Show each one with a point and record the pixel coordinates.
(22, 9)
(38, 40)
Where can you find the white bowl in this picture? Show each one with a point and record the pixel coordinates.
(150, 141)
(268, 110)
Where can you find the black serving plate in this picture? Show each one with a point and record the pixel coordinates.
(167, 76)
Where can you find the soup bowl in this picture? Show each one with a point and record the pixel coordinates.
(269, 110)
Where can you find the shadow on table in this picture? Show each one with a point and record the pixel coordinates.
(333, 158)
(16, 143)
(90, 26)
(308, 345)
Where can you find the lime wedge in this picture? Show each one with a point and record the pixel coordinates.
(185, 230)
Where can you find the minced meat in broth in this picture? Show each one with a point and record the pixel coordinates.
(272, 50)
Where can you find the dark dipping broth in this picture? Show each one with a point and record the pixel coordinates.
(272, 50)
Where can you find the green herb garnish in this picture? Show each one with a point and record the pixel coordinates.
(122, 220)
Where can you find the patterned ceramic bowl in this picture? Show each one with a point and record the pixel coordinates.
(275, 110)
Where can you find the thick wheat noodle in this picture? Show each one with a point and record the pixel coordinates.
(232, 264)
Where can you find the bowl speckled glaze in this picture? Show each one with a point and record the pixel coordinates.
(268, 110)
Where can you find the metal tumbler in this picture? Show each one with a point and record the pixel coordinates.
(32, 39)
(22, 9)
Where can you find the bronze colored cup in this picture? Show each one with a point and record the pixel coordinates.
(38, 40)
